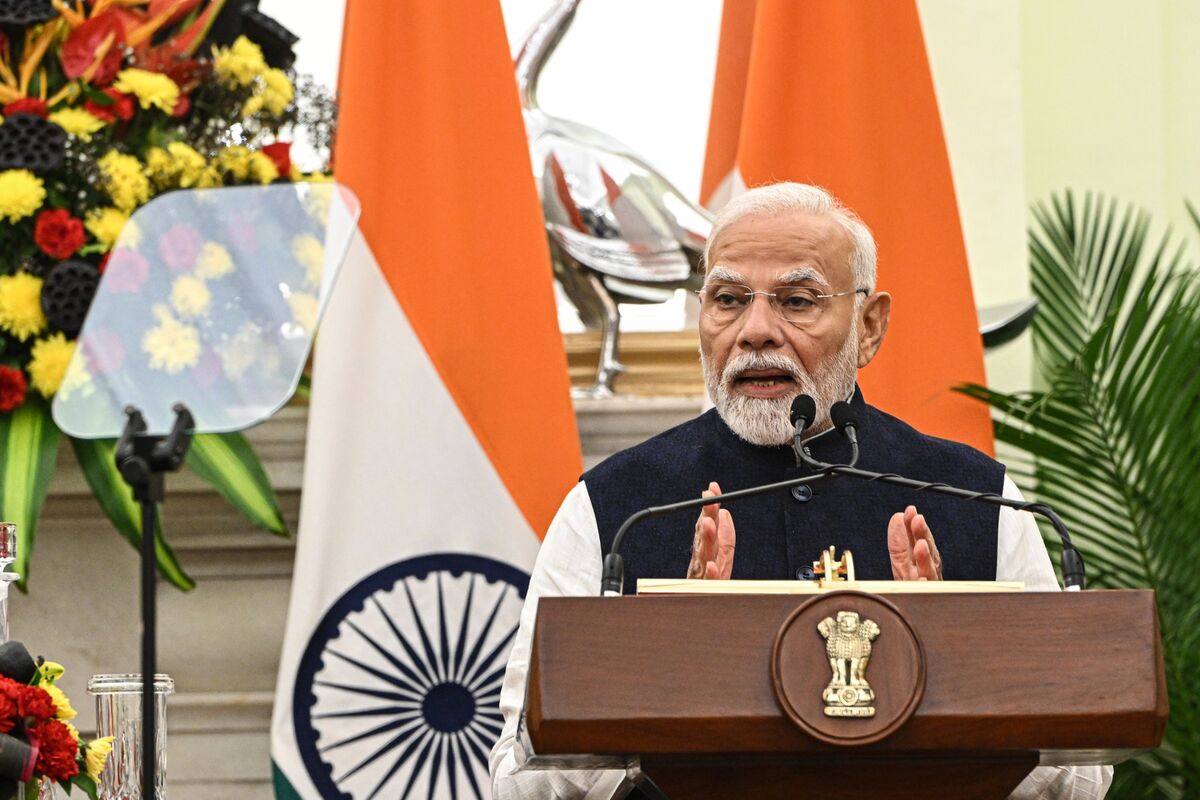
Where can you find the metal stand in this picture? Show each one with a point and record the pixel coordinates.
(143, 461)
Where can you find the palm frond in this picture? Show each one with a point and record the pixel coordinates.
(1113, 441)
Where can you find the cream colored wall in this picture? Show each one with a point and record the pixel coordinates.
(1111, 100)
(1044, 95)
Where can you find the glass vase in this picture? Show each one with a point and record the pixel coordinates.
(119, 715)
(8, 555)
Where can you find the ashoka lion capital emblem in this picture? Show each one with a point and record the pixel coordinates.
(848, 645)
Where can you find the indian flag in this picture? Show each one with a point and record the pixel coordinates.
(441, 435)
(840, 94)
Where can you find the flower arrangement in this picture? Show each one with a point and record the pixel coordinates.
(37, 740)
(107, 104)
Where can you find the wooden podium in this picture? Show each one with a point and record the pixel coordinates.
(721, 695)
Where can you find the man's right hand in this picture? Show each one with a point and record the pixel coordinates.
(712, 549)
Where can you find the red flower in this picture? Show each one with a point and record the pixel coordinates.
(281, 154)
(182, 106)
(58, 233)
(83, 44)
(121, 108)
(27, 105)
(58, 752)
(12, 394)
(127, 270)
(180, 247)
(34, 701)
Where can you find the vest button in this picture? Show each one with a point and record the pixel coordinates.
(803, 492)
(805, 574)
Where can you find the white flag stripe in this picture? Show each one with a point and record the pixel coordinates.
(393, 471)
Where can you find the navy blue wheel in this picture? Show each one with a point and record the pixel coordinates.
(398, 691)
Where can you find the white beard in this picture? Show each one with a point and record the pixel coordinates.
(766, 421)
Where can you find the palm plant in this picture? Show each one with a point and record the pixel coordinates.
(1113, 440)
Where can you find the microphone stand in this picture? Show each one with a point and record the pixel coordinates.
(143, 461)
(612, 580)
(1072, 562)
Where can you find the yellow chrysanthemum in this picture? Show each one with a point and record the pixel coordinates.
(160, 168)
(190, 164)
(189, 296)
(277, 91)
(124, 180)
(235, 160)
(308, 250)
(171, 345)
(261, 168)
(177, 165)
(21, 194)
(210, 177)
(48, 363)
(95, 755)
(304, 310)
(74, 732)
(21, 305)
(106, 224)
(214, 261)
(240, 63)
(253, 105)
(62, 706)
(77, 122)
(152, 89)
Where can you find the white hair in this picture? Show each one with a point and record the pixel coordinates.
(781, 198)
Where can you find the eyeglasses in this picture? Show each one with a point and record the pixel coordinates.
(799, 305)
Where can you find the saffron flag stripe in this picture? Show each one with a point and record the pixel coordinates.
(460, 224)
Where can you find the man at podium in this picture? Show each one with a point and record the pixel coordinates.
(789, 307)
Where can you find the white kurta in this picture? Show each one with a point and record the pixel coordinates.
(569, 564)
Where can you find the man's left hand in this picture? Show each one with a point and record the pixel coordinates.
(912, 549)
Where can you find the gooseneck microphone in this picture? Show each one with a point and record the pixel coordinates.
(845, 420)
(842, 414)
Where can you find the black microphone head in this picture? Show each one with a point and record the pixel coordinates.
(804, 407)
(842, 414)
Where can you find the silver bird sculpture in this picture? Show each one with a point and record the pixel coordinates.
(619, 232)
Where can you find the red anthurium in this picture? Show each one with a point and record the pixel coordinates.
(84, 45)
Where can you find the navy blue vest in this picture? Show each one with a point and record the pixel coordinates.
(778, 534)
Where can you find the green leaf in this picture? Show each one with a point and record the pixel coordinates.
(84, 782)
(29, 443)
(95, 458)
(228, 462)
(1113, 438)
(304, 388)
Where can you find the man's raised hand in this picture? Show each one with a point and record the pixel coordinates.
(913, 552)
(712, 548)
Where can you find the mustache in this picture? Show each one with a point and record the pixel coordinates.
(748, 361)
